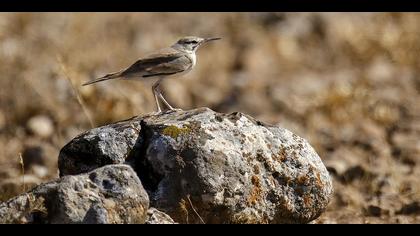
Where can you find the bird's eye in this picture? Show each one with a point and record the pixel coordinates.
(191, 42)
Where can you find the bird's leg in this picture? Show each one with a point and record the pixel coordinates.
(164, 101)
(156, 93)
(167, 104)
(159, 94)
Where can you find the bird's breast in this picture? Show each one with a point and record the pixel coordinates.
(193, 59)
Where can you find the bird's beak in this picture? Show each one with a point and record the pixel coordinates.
(210, 39)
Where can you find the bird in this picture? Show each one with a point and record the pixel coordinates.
(176, 60)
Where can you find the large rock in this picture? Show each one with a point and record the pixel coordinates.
(200, 166)
(105, 145)
(111, 194)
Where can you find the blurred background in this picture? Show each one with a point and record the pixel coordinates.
(349, 83)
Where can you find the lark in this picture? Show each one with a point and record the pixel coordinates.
(176, 60)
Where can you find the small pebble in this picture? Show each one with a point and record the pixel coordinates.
(41, 125)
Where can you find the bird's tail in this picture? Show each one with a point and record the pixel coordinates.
(106, 77)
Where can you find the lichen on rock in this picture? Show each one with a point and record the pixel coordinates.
(232, 167)
(195, 166)
(111, 194)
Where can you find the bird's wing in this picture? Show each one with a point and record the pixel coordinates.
(164, 62)
(175, 66)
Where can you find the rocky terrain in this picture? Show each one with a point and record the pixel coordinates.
(348, 83)
(196, 166)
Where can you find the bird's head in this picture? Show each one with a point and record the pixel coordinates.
(192, 43)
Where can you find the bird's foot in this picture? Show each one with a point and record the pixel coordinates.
(175, 110)
(171, 110)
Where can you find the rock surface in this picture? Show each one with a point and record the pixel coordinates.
(111, 194)
(154, 216)
(200, 166)
(105, 145)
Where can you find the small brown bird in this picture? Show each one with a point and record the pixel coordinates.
(178, 59)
